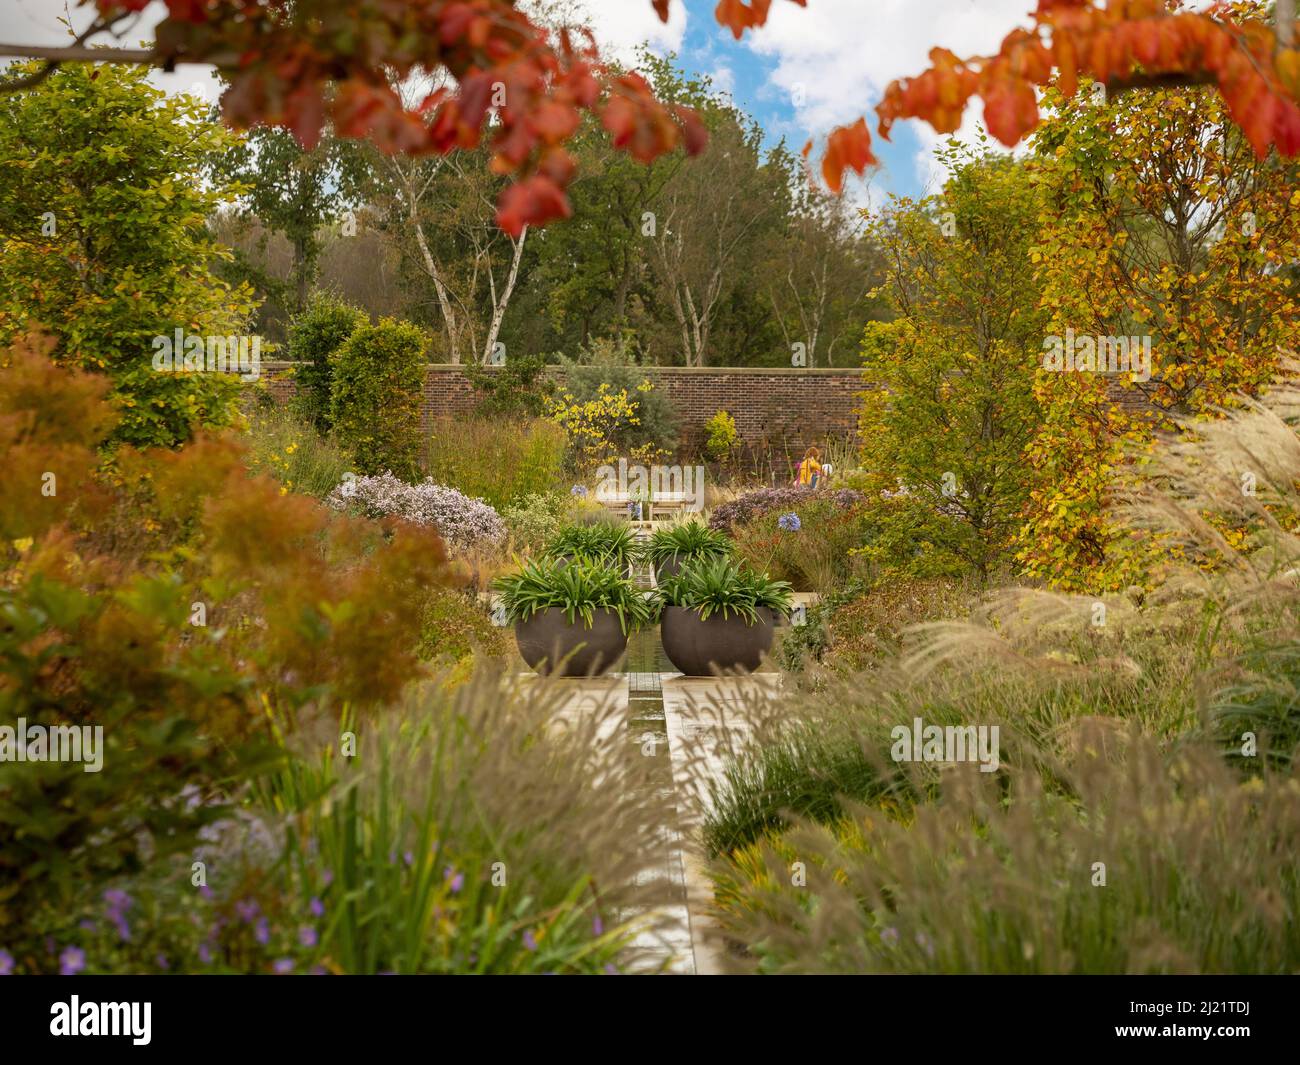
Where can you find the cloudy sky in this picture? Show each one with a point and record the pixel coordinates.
(807, 71)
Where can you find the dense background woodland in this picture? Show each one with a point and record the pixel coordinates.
(728, 259)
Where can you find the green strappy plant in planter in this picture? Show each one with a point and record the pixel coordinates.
(572, 617)
(606, 542)
(676, 546)
(719, 617)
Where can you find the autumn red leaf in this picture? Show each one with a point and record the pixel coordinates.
(847, 148)
(534, 202)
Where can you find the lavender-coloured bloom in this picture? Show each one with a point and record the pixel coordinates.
(789, 522)
(161, 961)
(262, 931)
(925, 943)
(530, 941)
(889, 936)
(86, 924)
(316, 907)
(408, 858)
(578, 490)
(611, 968)
(462, 521)
(205, 892)
(205, 954)
(118, 901)
(597, 926)
(72, 961)
(752, 505)
(123, 929)
(455, 880)
(6, 963)
(283, 965)
(247, 909)
(319, 970)
(327, 878)
(307, 936)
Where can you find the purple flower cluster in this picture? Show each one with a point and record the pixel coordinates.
(117, 903)
(460, 520)
(753, 505)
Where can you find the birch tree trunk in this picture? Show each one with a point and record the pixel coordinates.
(499, 303)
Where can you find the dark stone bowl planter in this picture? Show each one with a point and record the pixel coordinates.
(717, 645)
(674, 564)
(547, 640)
(670, 566)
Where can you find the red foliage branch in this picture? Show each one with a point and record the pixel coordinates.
(517, 85)
(1119, 43)
(525, 89)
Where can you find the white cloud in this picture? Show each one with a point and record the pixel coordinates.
(835, 57)
(723, 79)
(621, 25)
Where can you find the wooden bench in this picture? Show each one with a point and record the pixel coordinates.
(662, 506)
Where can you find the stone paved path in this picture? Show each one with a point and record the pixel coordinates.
(688, 725)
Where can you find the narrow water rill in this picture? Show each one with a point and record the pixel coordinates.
(647, 729)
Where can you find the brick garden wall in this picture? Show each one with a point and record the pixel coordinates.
(781, 408)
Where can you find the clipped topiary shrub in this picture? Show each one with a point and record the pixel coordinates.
(314, 336)
(375, 396)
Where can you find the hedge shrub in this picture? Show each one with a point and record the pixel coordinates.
(375, 396)
(314, 336)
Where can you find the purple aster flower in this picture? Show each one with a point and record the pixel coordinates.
(161, 961)
(205, 891)
(205, 954)
(72, 961)
(789, 522)
(307, 936)
(597, 926)
(86, 924)
(925, 943)
(530, 941)
(262, 931)
(611, 968)
(455, 880)
(316, 907)
(247, 909)
(284, 965)
(6, 963)
(123, 929)
(117, 901)
(408, 858)
(327, 878)
(889, 936)
(578, 490)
